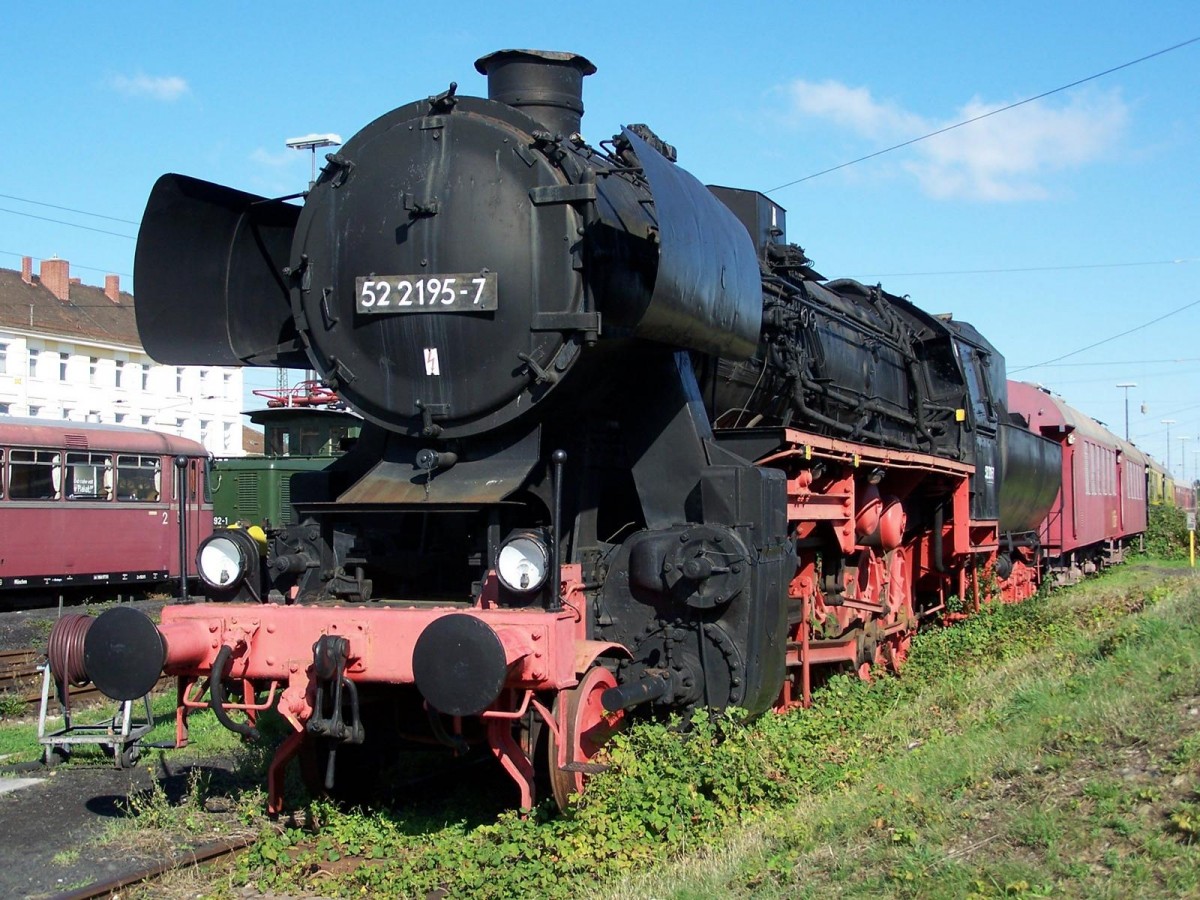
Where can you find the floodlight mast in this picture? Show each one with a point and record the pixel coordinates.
(311, 142)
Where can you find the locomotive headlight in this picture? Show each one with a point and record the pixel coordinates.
(523, 563)
(225, 558)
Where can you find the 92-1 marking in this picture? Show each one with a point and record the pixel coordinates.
(426, 293)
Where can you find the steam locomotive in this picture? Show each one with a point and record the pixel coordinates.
(624, 451)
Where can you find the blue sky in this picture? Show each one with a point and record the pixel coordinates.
(1092, 191)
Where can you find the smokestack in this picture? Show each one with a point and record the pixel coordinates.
(27, 269)
(543, 84)
(112, 288)
(56, 276)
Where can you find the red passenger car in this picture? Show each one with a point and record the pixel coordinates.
(1101, 507)
(85, 506)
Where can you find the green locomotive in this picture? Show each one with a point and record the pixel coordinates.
(304, 429)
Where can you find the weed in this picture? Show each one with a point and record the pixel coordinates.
(11, 705)
(66, 857)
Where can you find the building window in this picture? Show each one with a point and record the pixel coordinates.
(4, 408)
(68, 413)
(93, 366)
(179, 379)
(228, 442)
(204, 426)
(33, 364)
(145, 420)
(120, 373)
(35, 411)
(63, 359)
(121, 417)
(145, 378)
(179, 423)
(3, 358)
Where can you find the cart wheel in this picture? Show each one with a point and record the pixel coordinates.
(589, 725)
(128, 756)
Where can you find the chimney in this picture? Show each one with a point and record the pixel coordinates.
(27, 269)
(545, 85)
(112, 288)
(76, 281)
(56, 276)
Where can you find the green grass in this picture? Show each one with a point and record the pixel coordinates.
(1071, 771)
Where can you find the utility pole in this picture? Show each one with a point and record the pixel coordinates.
(1126, 385)
(1168, 423)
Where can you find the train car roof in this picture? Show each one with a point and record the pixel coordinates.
(30, 432)
(1050, 415)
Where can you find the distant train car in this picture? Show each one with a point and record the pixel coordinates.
(304, 429)
(1101, 507)
(87, 507)
(1185, 496)
(1160, 486)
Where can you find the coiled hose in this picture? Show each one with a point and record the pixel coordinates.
(64, 654)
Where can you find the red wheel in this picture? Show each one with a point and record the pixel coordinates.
(895, 646)
(588, 726)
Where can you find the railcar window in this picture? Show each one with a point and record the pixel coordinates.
(89, 476)
(139, 479)
(34, 474)
(2, 478)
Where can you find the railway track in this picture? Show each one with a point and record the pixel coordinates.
(113, 886)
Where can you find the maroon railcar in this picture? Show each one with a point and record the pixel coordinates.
(87, 506)
(1101, 508)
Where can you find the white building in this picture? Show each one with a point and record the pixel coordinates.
(70, 351)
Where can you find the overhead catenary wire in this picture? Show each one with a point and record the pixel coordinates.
(82, 212)
(1107, 340)
(1064, 268)
(994, 112)
(69, 224)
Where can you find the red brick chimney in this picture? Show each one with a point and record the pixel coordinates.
(56, 276)
(112, 288)
(27, 269)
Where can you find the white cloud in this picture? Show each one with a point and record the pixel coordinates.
(166, 87)
(274, 160)
(1001, 158)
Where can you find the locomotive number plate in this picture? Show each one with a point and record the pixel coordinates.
(426, 293)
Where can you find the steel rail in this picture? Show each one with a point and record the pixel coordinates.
(194, 857)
